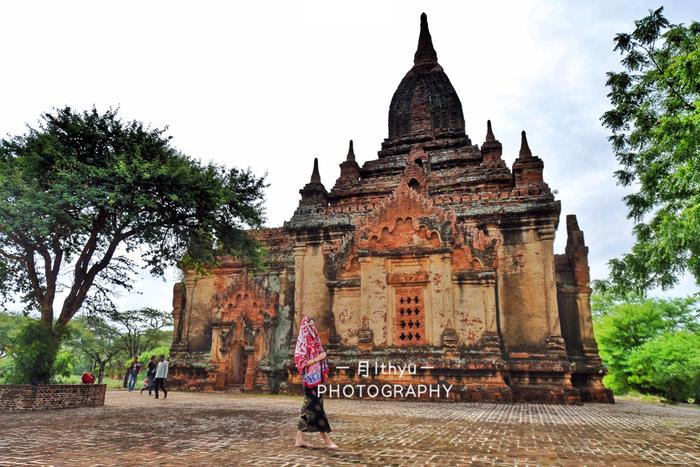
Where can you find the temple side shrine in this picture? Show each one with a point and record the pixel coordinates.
(435, 253)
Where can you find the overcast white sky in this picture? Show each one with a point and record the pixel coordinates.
(271, 85)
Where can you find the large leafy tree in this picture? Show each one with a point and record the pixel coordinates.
(655, 124)
(82, 193)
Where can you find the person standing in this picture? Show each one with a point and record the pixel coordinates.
(161, 376)
(151, 374)
(134, 373)
(127, 375)
(310, 360)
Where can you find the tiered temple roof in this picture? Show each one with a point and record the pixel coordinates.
(425, 111)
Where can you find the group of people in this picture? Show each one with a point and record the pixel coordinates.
(156, 375)
(309, 358)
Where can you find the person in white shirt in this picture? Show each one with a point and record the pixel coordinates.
(161, 375)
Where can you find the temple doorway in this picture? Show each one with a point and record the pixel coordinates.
(239, 361)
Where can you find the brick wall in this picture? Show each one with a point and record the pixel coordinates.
(51, 396)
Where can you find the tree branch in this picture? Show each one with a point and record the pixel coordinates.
(81, 287)
(671, 87)
(88, 250)
(51, 268)
(45, 308)
(11, 256)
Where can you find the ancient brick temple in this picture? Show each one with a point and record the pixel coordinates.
(435, 253)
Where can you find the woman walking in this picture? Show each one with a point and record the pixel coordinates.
(310, 360)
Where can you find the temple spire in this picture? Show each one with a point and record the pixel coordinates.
(489, 132)
(524, 147)
(425, 52)
(492, 149)
(349, 171)
(351, 152)
(313, 193)
(315, 175)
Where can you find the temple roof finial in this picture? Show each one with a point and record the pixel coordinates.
(351, 152)
(315, 175)
(489, 132)
(524, 147)
(425, 52)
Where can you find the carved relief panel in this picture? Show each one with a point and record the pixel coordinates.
(244, 313)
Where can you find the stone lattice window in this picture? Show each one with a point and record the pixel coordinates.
(409, 318)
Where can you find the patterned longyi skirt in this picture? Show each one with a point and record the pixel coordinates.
(313, 417)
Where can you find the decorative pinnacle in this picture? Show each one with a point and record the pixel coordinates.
(524, 147)
(489, 132)
(425, 52)
(351, 152)
(572, 222)
(315, 175)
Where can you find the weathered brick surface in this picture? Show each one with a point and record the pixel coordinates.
(51, 396)
(239, 429)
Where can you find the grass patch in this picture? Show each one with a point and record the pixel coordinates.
(651, 399)
(111, 383)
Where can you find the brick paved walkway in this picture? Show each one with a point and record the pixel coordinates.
(235, 429)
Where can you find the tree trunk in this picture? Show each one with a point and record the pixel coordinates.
(101, 374)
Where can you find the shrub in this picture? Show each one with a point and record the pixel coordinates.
(158, 351)
(64, 365)
(668, 365)
(34, 349)
(624, 327)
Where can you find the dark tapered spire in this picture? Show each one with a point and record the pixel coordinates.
(492, 149)
(351, 152)
(489, 132)
(349, 171)
(313, 193)
(425, 52)
(315, 175)
(527, 171)
(524, 147)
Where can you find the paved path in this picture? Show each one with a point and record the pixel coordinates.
(236, 429)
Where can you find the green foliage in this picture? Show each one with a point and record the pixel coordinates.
(33, 349)
(64, 365)
(9, 324)
(7, 369)
(97, 340)
(142, 328)
(623, 328)
(655, 124)
(157, 351)
(605, 296)
(668, 365)
(109, 342)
